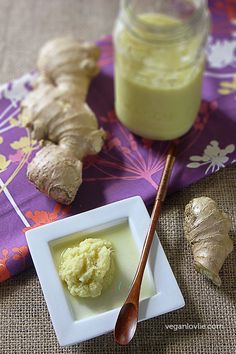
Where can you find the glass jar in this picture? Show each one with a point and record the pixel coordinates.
(159, 63)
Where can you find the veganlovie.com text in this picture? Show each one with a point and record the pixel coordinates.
(191, 326)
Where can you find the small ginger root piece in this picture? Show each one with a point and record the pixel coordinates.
(56, 114)
(206, 228)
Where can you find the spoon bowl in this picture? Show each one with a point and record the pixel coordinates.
(126, 323)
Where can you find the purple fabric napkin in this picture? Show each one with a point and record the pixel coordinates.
(127, 165)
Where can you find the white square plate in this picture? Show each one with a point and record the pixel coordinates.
(70, 330)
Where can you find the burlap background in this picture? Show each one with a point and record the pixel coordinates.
(25, 325)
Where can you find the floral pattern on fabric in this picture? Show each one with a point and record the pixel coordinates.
(213, 156)
(42, 217)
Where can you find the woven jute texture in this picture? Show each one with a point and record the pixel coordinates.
(25, 326)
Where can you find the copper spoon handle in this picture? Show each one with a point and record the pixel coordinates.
(126, 316)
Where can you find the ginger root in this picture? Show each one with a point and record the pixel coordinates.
(56, 114)
(206, 228)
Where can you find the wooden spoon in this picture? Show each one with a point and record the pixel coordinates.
(128, 317)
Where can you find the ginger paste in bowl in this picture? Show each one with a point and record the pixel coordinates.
(87, 268)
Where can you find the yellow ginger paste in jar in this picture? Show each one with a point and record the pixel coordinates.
(157, 86)
(88, 267)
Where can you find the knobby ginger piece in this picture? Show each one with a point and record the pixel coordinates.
(56, 114)
(206, 228)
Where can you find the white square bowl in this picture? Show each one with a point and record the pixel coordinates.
(69, 330)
